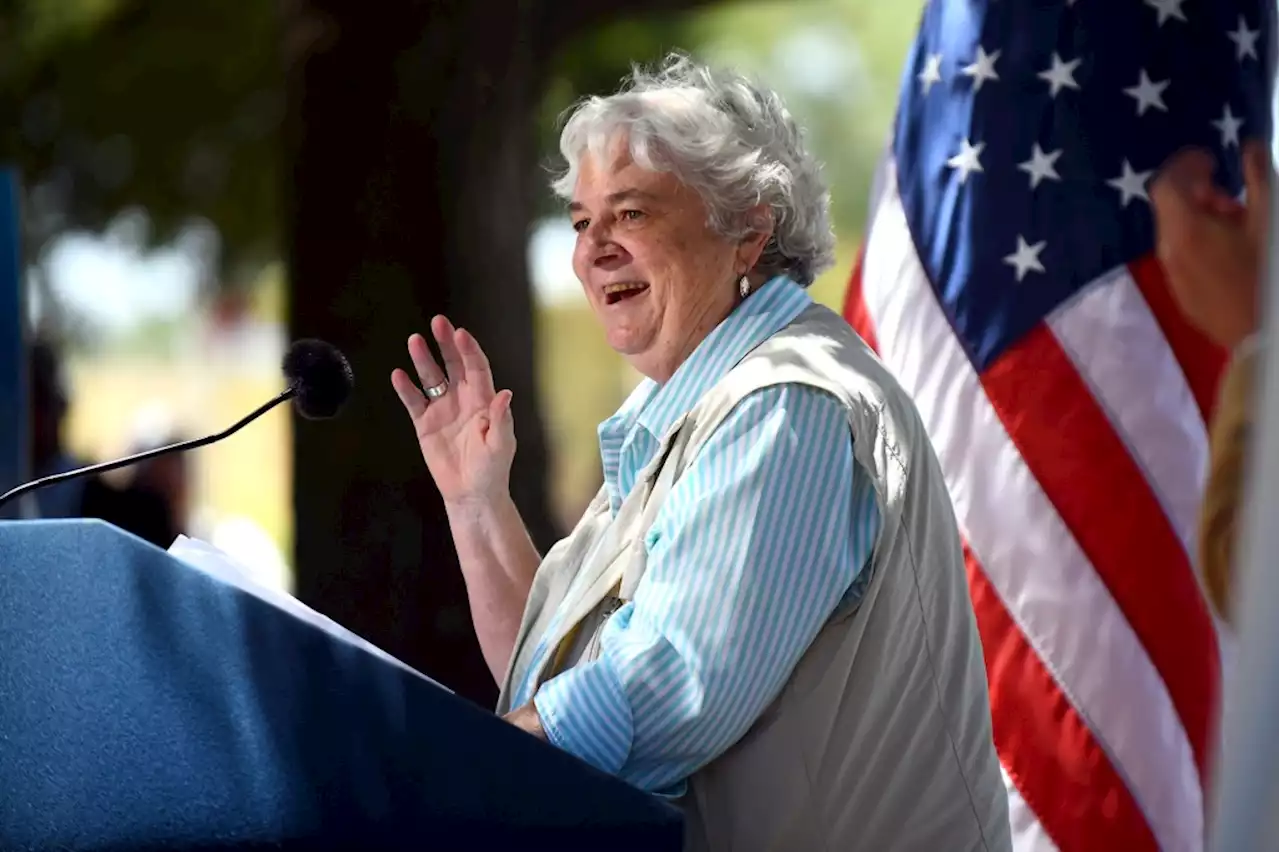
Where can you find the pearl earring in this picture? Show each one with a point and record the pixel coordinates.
(744, 287)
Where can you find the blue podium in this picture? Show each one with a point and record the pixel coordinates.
(147, 705)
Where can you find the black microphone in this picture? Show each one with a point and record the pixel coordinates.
(319, 380)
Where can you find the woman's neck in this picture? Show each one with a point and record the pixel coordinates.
(693, 333)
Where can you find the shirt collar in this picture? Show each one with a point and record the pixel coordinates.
(656, 407)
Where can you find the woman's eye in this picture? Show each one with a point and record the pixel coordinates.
(581, 225)
(632, 215)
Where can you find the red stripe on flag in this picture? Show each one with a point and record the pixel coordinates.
(855, 309)
(1066, 779)
(1201, 359)
(1104, 499)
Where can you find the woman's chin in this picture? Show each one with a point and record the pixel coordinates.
(628, 339)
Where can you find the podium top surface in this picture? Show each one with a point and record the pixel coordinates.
(146, 704)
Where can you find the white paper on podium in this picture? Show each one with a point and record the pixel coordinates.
(217, 563)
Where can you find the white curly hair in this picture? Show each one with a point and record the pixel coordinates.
(728, 137)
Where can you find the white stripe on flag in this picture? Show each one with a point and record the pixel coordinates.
(1028, 834)
(1136, 378)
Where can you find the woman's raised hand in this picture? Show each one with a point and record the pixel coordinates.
(466, 434)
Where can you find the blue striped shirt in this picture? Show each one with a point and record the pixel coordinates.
(765, 533)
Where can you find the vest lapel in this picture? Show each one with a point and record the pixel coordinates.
(604, 572)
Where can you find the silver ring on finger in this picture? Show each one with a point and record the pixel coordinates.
(436, 391)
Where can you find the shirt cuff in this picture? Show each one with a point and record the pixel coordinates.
(585, 712)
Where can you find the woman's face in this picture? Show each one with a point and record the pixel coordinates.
(655, 274)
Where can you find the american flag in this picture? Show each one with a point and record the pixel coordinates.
(1008, 280)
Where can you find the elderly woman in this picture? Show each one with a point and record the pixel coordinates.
(763, 614)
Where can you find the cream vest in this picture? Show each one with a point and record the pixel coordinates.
(881, 739)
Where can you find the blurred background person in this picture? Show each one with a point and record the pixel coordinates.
(149, 499)
(1211, 244)
(49, 455)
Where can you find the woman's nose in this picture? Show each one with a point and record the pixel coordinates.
(597, 232)
(600, 245)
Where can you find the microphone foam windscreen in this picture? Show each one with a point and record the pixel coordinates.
(321, 375)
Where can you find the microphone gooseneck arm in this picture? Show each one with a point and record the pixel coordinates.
(288, 394)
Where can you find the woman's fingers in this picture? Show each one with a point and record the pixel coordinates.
(445, 338)
(429, 372)
(1257, 167)
(501, 424)
(410, 396)
(475, 363)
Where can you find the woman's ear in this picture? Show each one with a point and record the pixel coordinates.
(760, 229)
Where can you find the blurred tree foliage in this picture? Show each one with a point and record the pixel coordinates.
(171, 107)
(175, 108)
